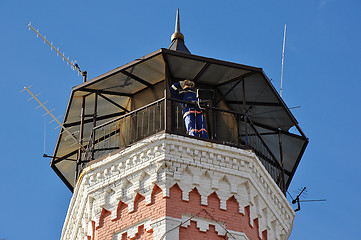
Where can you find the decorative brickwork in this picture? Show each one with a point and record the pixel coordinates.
(128, 223)
(206, 218)
(230, 218)
(153, 186)
(193, 232)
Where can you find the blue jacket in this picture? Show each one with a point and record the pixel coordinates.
(188, 95)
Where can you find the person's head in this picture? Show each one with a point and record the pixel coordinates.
(188, 84)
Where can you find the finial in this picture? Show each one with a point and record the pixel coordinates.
(177, 33)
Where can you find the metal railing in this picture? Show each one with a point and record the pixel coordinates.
(234, 129)
(223, 126)
(125, 130)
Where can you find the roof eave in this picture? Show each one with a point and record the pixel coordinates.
(116, 70)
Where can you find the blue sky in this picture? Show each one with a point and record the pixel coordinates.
(321, 75)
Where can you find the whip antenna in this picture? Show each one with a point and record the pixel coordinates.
(283, 58)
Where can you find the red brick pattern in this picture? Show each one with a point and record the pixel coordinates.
(155, 210)
(233, 219)
(174, 206)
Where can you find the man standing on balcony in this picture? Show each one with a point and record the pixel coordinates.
(193, 116)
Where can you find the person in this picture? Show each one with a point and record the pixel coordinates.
(193, 116)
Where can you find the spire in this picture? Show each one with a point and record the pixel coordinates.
(178, 38)
(177, 33)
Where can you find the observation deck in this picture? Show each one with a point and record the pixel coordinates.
(132, 102)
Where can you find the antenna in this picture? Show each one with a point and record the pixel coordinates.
(73, 63)
(298, 201)
(283, 58)
(55, 119)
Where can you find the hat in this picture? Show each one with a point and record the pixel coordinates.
(188, 83)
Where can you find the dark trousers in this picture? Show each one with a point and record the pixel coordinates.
(195, 123)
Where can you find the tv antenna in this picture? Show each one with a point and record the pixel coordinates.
(283, 58)
(298, 201)
(54, 118)
(74, 65)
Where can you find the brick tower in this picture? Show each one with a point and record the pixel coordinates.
(138, 175)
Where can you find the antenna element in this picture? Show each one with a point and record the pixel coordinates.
(55, 119)
(283, 58)
(73, 64)
(298, 201)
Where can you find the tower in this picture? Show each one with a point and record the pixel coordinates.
(138, 175)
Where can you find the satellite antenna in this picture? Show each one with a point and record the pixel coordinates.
(74, 65)
(54, 118)
(298, 201)
(283, 58)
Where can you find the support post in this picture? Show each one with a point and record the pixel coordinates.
(94, 123)
(167, 103)
(85, 76)
(79, 162)
(81, 130)
(281, 158)
(244, 111)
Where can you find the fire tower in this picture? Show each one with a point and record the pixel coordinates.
(137, 175)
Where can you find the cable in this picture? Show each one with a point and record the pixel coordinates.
(180, 224)
(290, 195)
(219, 223)
(197, 214)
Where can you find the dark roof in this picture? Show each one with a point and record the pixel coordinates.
(178, 45)
(265, 107)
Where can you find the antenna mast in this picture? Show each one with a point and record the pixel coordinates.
(298, 201)
(73, 64)
(283, 58)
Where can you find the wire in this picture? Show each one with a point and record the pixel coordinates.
(290, 195)
(219, 223)
(197, 214)
(180, 224)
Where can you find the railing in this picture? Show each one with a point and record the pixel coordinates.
(225, 127)
(234, 129)
(269, 161)
(125, 130)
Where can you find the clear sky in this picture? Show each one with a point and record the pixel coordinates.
(321, 75)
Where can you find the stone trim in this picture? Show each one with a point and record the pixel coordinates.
(203, 225)
(167, 159)
(132, 230)
(165, 228)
